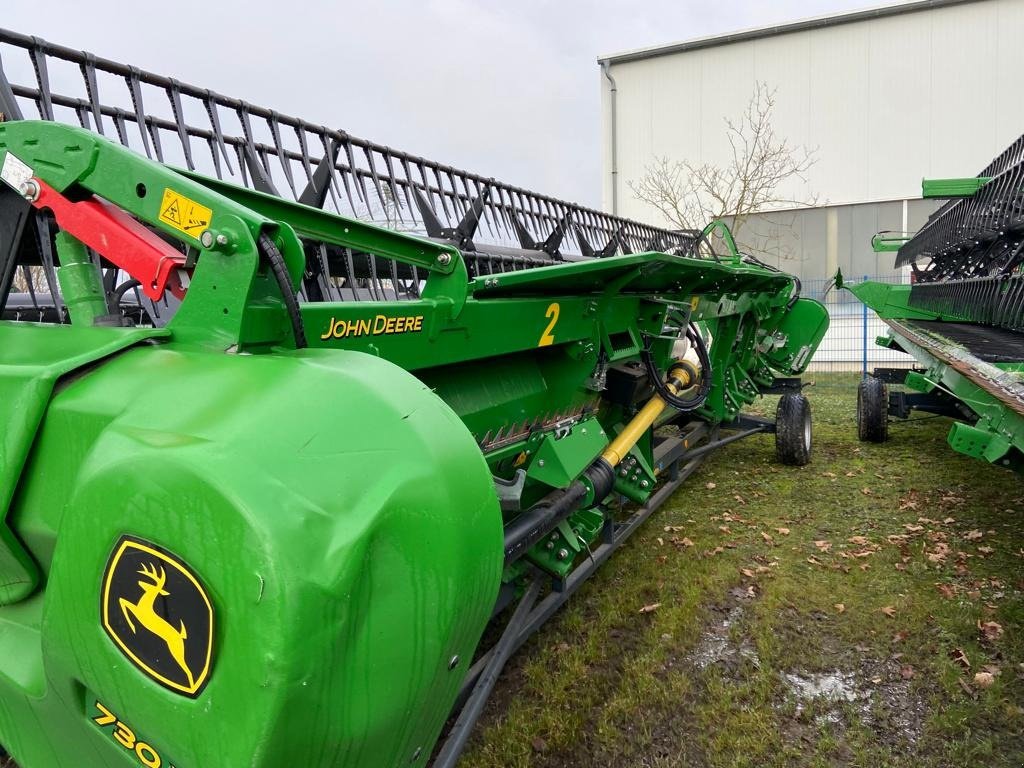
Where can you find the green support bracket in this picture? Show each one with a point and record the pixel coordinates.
(888, 241)
(560, 459)
(951, 188)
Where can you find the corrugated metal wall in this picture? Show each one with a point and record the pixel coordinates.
(885, 102)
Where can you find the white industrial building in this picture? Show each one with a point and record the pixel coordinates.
(886, 95)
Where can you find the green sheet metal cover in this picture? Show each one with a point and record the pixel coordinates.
(32, 358)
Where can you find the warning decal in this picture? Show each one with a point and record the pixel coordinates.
(183, 214)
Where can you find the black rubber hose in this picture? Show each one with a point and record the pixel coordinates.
(122, 289)
(284, 281)
(684, 404)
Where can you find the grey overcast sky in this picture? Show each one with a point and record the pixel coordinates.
(509, 89)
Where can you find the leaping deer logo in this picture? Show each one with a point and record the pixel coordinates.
(144, 613)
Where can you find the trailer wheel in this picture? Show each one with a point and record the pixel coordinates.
(793, 430)
(872, 410)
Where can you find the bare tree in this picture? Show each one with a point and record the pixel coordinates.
(690, 196)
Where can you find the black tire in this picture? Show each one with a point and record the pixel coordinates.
(872, 410)
(793, 430)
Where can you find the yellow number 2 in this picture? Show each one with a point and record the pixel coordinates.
(548, 338)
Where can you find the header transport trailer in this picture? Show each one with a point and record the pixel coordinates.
(268, 470)
(961, 318)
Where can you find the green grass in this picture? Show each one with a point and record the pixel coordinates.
(700, 681)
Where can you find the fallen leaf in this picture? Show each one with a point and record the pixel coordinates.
(990, 630)
(851, 474)
(686, 542)
(946, 590)
(889, 610)
(900, 636)
(864, 566)
(823, 545)
(900, 566)
(711, 486)
(876, 680)
(906, 672)
(985, 550)
(973, 535)
(783, 531)
(984, 679)
(866, 491)
(724, 529)
(767, 537)
(661, 542)
(747, 572)
(739, 499)
(860, 541)
(650, 608)
(958, 656)
(840, 608)
(911, 528)
(828, 474)
(674, 528)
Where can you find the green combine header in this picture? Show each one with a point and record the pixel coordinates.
(961, 318)
(269, 469)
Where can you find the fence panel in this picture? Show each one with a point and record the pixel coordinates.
(849, 346)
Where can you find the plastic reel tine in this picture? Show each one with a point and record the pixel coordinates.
(154, 132)
(406, 186)
(88, 68)
(282, 157)
(218, 134)
(375, 177)
(395, 199)
(211, 142)
(42, 78)
(300, 134)
(174, 95)
(441, 192)
(135, 90)
(120, 127)
(360, 187)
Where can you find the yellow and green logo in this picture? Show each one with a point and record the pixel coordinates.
(158, 614)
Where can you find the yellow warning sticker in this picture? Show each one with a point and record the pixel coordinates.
(183, 214)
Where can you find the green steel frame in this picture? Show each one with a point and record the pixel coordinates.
(341, 502)
(991, 426)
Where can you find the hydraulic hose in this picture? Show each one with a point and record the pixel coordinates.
(291, 303)
(664, 390)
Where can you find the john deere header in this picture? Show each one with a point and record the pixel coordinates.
(269, 470)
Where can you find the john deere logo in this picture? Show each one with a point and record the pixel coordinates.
(158, 613)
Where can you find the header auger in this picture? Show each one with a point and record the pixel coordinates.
(346, 448)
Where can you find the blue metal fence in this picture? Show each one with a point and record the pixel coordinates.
(849, 346)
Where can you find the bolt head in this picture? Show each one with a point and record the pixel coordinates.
(444, 259)
(563, 553)
(206, 239)
(30, 190)
(222, 239)
(540, 462)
